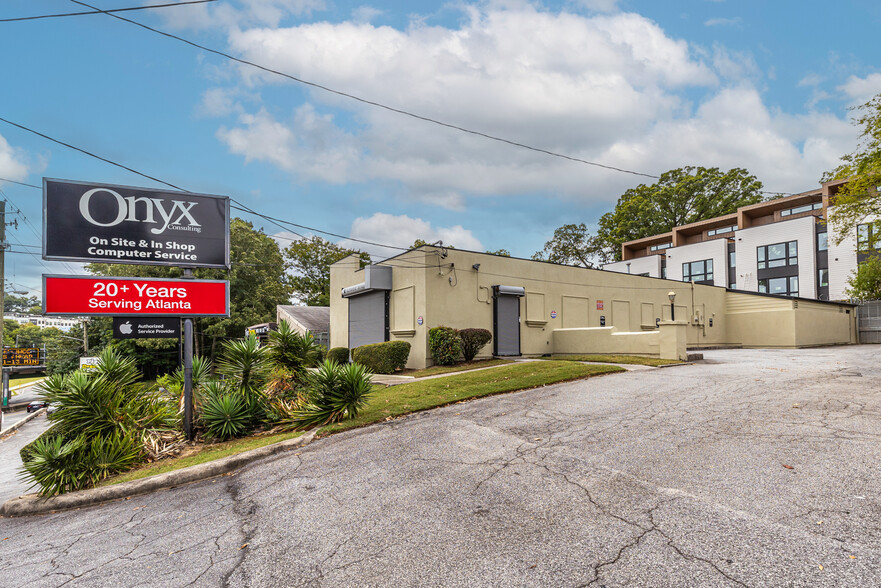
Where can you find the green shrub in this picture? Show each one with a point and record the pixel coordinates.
(445, 345)
(339, 355)
(473, 341)
(335, 392)
(225, 411)
(245, 362)
(293, 350)
(382, 358)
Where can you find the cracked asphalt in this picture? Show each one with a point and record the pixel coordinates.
(753, 468)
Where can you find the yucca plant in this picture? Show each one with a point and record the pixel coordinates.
(225, 412)
(335, 392)
(56, 465)
(245, 362)
(293, 350)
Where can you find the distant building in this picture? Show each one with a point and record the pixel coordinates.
(315, 319)
(780, 247)
(60, 323)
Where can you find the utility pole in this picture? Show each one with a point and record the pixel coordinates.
(86, 337)
(4, 395)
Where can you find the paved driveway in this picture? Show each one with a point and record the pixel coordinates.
(756, 468)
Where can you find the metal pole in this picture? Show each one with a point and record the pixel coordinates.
(86, 337)
(672, 311)
(188, 378)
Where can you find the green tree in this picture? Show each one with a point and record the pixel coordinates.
(311, 259)
(258, 283)
(858, 200)
(865, 283)
(572, 245)
(681, 196)
(21, 304)
(500, 252)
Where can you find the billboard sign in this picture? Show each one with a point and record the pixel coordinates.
(152, 327)
(22, 356)
(89, 295)
(104, 223)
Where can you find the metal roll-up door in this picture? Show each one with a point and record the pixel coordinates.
(368, 318)
(506, 323)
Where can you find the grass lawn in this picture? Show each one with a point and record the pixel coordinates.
(459, 367)
(416, 396)
(19, 380)
(201, 455)
(626, 359)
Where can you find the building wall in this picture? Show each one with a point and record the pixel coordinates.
(842, 261)
(564, 307)
(801, 230)
(650, 264)
(716, 249)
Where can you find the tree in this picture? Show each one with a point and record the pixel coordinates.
(258, 283)
(681, 196)
(859, 200)
(21, 304)
(311, 259)
(572, 245)
(500, 252)
(865, 283)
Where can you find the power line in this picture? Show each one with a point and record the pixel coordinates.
(21, 183)
(366, 101)
(21, 18)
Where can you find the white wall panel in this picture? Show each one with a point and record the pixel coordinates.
(842, 261)
(801, 230)
(640, 265)
(717, 250)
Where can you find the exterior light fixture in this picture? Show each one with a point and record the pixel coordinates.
(672, 296)
(476, 266)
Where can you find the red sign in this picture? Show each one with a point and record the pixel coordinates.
(85, 295)
(599, 305)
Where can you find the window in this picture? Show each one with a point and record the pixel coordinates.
(733, 286)
(721, 230)
(800, 209)
(698, 271)
(823, 278)
(660, 247)
(780, 286)
(778, 255)
(732, 259)
(868, 237)
(664, 272)
(822, 241)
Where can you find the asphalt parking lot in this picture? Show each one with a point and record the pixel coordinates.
(753, 468)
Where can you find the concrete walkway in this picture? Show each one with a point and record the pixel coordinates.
(10, 461)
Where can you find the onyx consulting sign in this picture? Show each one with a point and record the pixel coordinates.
(105, 223)
(138, 327)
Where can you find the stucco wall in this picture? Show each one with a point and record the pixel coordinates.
(604, 340)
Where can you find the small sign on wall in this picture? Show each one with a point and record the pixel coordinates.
(600, 305)
(602, 321)
(553, 314)
(419, 320)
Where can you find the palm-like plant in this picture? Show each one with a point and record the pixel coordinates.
(293, 350)
(225, 412)
(335, 392)
(245, 362)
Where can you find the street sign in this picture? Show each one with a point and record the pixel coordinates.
(22, 356)
(88, 295)
(106, 223)
(89, 364)
(154, 327)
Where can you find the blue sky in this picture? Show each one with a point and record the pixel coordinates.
(642, 85)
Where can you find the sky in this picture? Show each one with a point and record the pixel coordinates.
(639, 85)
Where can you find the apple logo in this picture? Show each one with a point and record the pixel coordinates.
(126, 328)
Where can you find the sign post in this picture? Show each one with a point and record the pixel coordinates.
(104, 223)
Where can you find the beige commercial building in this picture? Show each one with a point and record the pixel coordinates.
(536, 308)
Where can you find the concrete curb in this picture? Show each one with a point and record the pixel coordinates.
(26, 419)
(32, 504)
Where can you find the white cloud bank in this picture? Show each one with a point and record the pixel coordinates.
(13, 164)
(612, 88)
(402, 231)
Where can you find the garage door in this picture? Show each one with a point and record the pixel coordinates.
(506, 311)
(368, 318)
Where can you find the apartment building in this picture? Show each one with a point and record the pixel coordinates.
(777, 247)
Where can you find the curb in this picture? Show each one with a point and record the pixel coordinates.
(26, 419)
(32, 504)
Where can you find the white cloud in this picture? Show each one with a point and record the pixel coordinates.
(861, 90)
(812, 79)
(402, 231)
(723, 22)
(599, 5)
(609, 88)
(13, 165)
